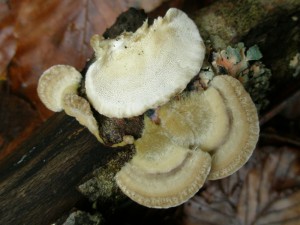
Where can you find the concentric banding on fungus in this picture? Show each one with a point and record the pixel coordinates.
(155, 153)
(161, 173)
(164, 190)
(55, 83)
(138, 71)
(199, 119)
(244, 129)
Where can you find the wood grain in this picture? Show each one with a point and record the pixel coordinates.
(38, 183)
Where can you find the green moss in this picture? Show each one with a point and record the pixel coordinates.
(83, 218)
(102, 188)
(227, 22)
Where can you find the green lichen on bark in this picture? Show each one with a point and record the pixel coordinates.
(101, 189)
(227, 22)
(272, 25)
(243, 64)
(83, 218)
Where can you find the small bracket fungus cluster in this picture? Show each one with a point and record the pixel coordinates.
(57, 89)
(198, 135)
(204, 135)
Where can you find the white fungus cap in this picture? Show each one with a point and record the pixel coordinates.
(55, 83)
(138, 71)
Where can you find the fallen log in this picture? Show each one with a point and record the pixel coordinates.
(38, 183)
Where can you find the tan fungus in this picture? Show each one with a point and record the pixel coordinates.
(163, 174)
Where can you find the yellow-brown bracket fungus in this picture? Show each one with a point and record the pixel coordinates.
(162, 174)
(207, 134)
(57, 89)
(138, 71)
(244, 128)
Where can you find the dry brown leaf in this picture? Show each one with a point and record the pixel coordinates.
(8, 42)
(54, 32)
(266, 191)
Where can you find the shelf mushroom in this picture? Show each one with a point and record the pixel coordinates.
(139, 71)
(162, 174)
(197, 119)
(244, 128)
(202, 135)
(57, 89)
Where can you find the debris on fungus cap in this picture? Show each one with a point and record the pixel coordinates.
(243, 132)
(55, 83)
(162, 174)
(138, 71)
(79, 108)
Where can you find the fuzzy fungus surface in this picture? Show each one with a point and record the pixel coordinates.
(138, 71)
(162, 173)
(206, 134)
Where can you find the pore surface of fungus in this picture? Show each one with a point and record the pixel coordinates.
(138, 71)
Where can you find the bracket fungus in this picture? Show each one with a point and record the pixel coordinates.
(199, 135)
(55, 83)
(206, 134)
(162, 174)
(139, 71)
(57, 89)
(244, 128)
(198, 119)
